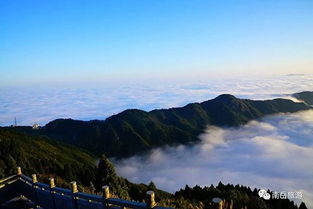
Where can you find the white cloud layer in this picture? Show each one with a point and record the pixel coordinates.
(98, 101)
(275, 153)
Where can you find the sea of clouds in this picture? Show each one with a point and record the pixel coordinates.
(274, 153)
(42, 104)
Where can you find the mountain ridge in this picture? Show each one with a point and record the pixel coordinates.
(133, 131)
(305, 96)
(65, 163)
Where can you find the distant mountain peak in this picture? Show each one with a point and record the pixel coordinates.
(225, 98)
(133, 131)
(306, 96)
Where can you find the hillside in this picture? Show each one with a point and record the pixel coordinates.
(306, 96)
(133, 131)
(41, 155)
(50, 158)
(66, 163)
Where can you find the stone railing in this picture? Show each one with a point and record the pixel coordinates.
(52, 197)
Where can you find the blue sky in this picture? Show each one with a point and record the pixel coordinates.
(49, 41)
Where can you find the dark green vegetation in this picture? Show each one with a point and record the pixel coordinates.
(66, 163)
(121, 187)
(46, 157)
(133, 131)
(306, 96)
(240, 195)
(36, 154)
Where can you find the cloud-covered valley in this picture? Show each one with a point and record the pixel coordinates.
(274, 153)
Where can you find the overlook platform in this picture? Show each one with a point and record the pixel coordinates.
(20, 191)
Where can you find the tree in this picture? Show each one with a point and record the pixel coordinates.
(302, 206)
(68, 173)
(152, 186)
(105, 174)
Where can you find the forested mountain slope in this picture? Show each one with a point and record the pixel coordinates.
(133, 131)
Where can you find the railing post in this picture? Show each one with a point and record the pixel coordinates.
(19, 171)
(106, 192)
(106, 195)
(74, 190)
(34, 180)
(52, 185)
(217, 203)
(150, 199)
(74, 187)
(231, 204)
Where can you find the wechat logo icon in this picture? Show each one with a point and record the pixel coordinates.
(263, 193)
